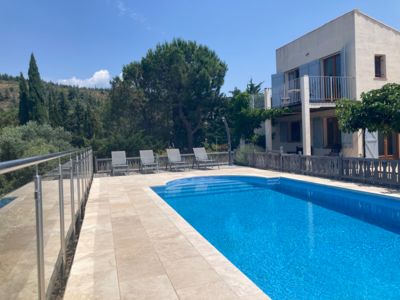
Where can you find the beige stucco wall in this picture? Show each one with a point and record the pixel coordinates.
(319, 43)
(374, 38)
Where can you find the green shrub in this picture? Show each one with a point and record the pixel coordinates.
(32, 139)
(28, 140)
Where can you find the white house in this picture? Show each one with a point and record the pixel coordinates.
(349, 55)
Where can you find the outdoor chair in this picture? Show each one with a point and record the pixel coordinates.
(175, 160)
(201, 158)
(147, 160)
(118, 162)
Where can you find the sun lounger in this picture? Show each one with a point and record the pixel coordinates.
(147, 160)
(118, 162)
(201, 158)
(175, 160)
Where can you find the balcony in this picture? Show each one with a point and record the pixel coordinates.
(321, 89)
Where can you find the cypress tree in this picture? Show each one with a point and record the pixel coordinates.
(24, 109)
(37, 94)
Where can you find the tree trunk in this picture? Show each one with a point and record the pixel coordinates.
(188, 126)
(189, 136)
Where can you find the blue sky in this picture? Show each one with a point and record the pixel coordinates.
(87, 42)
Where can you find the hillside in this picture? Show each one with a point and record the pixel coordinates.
(9, 91)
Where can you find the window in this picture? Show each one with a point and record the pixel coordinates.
(283, 132)
(292, 86)
(295, 131)
(380, 66)
(332, 86)
(291, 77)
(290, 132)
(332, 66)
(333, 132)
(387, 145)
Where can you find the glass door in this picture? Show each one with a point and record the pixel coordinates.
(388, 146)
(332, 73)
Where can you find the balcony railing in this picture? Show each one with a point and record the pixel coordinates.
(321, 89)
(290, 92)
(330, 88)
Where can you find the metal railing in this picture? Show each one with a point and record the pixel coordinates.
(257, 101)
(103, 165)
(321, 89)
(330, 88)
(45, 229)
(291, 92)
(365, 170)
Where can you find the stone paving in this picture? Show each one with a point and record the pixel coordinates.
(18, 269)
(134, 246)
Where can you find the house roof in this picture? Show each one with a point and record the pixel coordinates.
(352, 12)
(376, 21)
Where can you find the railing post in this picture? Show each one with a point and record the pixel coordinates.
(78, 183)
(91, 167)
(39, 236)
(81, 179)
(265, 160)
(61, 208)
(268, 123)
(305, 114)
(84, 174)
(340, 165)
(72, 191)
(87, 173)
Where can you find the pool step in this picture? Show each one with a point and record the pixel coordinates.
(196, 191)
(219, 186)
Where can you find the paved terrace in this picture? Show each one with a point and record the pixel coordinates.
(134, 246)
(18, 270)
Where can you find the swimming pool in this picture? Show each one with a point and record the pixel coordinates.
(295, 239)
(6, 200)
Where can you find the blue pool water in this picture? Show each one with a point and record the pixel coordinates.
(294, 239)
(5, 201)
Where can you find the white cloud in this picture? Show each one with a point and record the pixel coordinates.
(121, 7)
(127, 11)
(100, 79)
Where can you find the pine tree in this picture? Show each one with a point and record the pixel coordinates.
(54, 110)
(37, 94)
(63, 107)
(23, 113)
